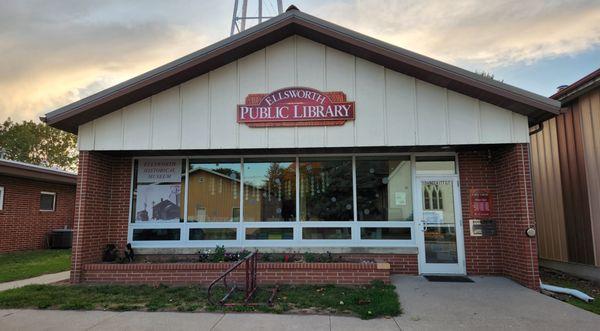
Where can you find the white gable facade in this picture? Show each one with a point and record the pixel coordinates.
(392, 109)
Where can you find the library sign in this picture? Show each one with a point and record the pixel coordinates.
(296, 106)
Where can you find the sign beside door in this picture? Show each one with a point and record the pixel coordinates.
(481, 203)
(296, 106)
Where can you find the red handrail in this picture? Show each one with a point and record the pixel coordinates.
(250, 264)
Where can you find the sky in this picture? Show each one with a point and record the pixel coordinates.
(54, 52)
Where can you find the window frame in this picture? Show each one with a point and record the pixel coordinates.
(297, 241)
(1, 197)
(53, 194)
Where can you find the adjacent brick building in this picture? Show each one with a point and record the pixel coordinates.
(316, 139)
(34, 200)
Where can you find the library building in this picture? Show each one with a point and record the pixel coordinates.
(300, 136)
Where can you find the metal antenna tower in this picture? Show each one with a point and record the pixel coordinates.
(235, 28)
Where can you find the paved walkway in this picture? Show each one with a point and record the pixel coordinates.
(43, 279)
(492, 303)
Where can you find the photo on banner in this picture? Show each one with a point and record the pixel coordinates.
(158, 192)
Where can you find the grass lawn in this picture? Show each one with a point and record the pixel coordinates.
(366, 302)
(592, 289)
(21, 265)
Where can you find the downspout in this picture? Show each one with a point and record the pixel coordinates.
(576, 293)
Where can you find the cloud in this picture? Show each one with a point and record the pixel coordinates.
(491, 33)
(56, 52)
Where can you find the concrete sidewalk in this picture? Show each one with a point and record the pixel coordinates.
(24, 320)
(43, 279)
(492, 303)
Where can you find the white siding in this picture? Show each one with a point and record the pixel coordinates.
(310, 63)
(392, 109)
(463, 118)
(281, 72)
(108, 131)
(252, 79)
(370, 94)
(223, 97)
(85, 136)
(431, 114)
(136, 121)
(195, 113)
(166, 119)
(496, 124)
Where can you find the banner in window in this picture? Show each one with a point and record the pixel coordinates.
(159, 171)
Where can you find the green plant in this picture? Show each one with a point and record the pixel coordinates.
(218, 255)
(310, 257)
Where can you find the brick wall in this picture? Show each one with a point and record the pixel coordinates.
(101, 208)
(267, 273)
(477, 171)
(504, 170)
(23, 226)
(400, 264)
(516, 214)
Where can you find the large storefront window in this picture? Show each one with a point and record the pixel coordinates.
(243, 201)
(269, 190)
(384, 189)
(326, 189)
(214, 191)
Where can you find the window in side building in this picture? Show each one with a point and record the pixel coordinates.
(326, 189)
(1, 197)
(270, 190)
(158, 190)
(47, 201)
(384, 189)
(214, 189)
(435, 165)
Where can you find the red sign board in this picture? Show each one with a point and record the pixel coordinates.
(481, 203)
(296, 106)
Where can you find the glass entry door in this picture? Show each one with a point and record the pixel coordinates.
(439, 230)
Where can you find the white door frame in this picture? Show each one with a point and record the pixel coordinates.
(439, 268)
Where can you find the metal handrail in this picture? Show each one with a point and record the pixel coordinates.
(250, 263)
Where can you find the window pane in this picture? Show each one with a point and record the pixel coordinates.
(269, 234)
(158, 190)
(385, 233)
(214, 189)
(155, 234)
(326, 233)
(326, 189)
(435, 165)
(47, 202)
(384, 189)
(213, 234)
(269, 190)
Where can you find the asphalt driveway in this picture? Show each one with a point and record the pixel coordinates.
(492, 303)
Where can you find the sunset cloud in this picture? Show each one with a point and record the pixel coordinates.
(493, 33)
(56, 52)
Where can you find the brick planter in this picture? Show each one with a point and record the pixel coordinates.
(268, 273)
